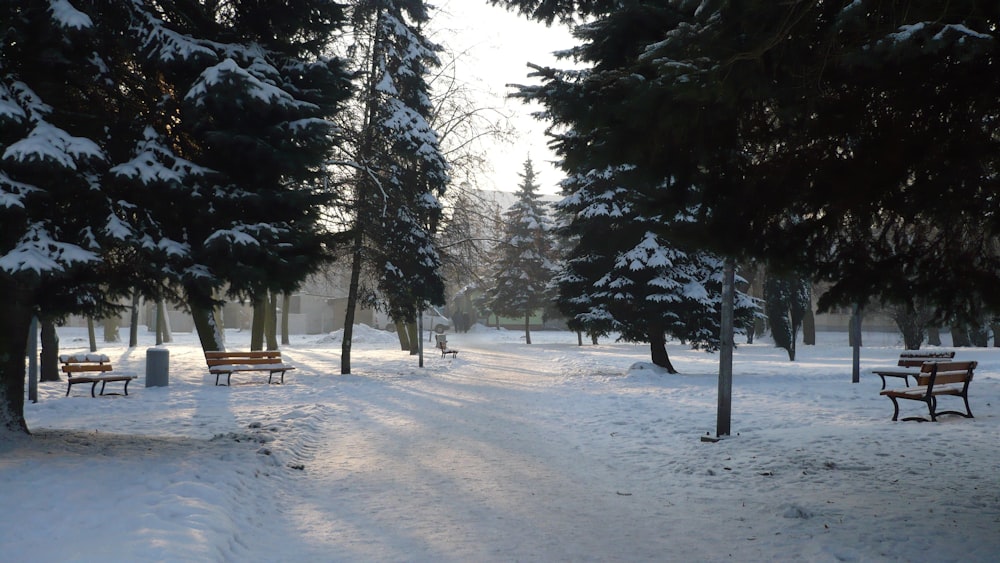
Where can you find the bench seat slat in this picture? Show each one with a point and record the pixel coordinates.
(223, 368)
(243, 361)
(83, 368)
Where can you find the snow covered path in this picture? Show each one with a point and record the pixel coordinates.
(548, 452)
(474, 461)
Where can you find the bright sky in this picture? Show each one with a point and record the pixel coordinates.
(499, 45)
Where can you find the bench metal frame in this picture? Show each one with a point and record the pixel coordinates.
(934, 375)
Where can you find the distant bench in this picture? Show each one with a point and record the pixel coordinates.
(936, 379)
(442, 344)
(228, 363)
(909, 365)
(77, 368)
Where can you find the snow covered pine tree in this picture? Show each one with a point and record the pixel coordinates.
(527, 260)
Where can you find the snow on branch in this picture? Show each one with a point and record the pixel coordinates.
(12, 192)
(26, 98)
(116, 228)
(962, 31)
(165, 44)
(38, 252)
(156, 162)
(229, 71)
(233, 237)
(956, 32)
(9, 109)
(67, 16)
(49, 143)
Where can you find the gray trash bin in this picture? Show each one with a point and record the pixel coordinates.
(157, 367)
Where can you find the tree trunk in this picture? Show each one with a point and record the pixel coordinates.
(593, 338)
(960, 337)
(15, 322)
(979, 335)
(933, 336)
(404, 336)
(579, 338)
(49, 364)
(271, 325)
(258, 323)
(789, 344)
(658, 351)
(91, 334)
(809, 328)
(163, 333)
(133, 325)
(759, 325)
(286, 302)
(206, 324)
(413, 332)
(31, 353)
(527, 328)
(995, 328)
(353, 289)
(158, 322)
(911, 328)
(112, 327)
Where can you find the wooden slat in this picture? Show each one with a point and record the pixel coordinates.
(242, 361)
(251, 355)
(79, 368)
(92, 378)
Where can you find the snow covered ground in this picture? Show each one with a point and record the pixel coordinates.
(547, 452)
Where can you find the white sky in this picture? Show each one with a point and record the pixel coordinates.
(499, 45)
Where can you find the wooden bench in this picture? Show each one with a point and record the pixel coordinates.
(442, 344)
(936, 379)
(77, 368)
(228, 363)
(909, 365)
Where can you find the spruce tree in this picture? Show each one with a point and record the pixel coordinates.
(623, 272)
(811, 135)
(786, 300)
(246, 99)
(58, 100)
(154, 146)
(527, 256)
(400, 173)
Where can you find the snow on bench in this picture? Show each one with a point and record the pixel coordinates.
(85, 364)
(228, 363)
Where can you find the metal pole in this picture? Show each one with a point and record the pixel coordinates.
(856, 343)
(726, 349)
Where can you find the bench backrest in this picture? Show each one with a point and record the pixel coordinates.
(940, 373)
(442, 341)
(77, 363)
(244, 358)
(917, 359)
